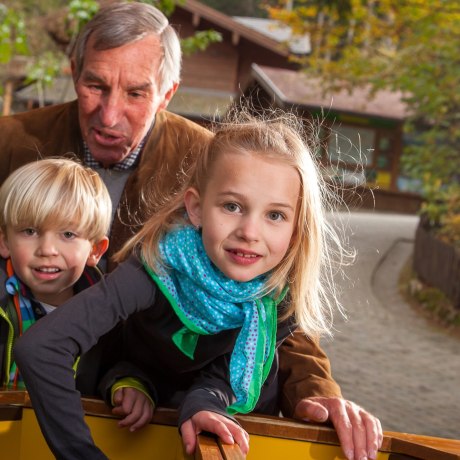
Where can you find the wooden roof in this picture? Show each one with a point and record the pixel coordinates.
(290, 87)
(221, 22)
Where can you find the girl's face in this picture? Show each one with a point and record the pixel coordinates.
(247, 213)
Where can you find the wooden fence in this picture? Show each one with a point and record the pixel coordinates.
(437, 263)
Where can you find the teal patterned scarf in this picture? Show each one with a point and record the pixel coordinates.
(207, 302)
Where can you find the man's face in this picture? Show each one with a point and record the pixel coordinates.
(118, 97)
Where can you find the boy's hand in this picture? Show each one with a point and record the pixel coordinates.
(359, 432)
(134, 405)
(227, 430)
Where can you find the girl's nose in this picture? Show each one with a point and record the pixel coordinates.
(249, 229)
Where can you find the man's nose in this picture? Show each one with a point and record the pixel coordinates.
(111, 109)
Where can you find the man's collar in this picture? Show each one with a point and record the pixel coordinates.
(130, 162)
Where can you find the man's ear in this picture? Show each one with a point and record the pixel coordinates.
(4, 250)
(73, 68)
(97, 251)
(192, 203)
(168, 96)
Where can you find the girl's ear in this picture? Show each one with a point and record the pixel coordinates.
(193, 206)
(4, 250)
(97, 252)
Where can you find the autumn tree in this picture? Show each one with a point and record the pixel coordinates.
(406, 45)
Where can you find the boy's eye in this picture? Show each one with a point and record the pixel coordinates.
(276, 216)
(68, 235)
(232, 207)
(29, 231)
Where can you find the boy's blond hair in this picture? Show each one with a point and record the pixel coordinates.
(56, 193)
(315, 247)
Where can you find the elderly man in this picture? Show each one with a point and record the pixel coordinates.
(126, 68)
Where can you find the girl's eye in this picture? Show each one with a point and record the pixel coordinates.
(232, 207)
(275, 216)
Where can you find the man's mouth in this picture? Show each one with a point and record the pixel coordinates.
(107, 138)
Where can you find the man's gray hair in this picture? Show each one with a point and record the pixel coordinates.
(119, 24)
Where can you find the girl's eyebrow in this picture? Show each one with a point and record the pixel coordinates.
(240, 196)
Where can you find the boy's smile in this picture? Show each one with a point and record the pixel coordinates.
(247, 213)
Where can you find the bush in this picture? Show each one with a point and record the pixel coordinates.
(442, 211)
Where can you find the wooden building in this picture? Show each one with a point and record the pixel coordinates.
(212, 79)
(362, 133)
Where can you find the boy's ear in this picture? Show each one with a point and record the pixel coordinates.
(4, 250)
(193, 206)
(97, 252)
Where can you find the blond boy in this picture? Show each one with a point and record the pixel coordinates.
(54, 219)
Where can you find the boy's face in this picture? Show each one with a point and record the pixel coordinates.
(247, 213)
(49, 261)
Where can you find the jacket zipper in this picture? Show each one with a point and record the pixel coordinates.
(9, 346)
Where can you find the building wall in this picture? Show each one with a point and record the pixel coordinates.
(224, 66)
(215, 69)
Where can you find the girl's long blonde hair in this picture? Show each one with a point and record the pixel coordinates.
(315, 248)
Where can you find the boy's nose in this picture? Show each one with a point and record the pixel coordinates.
(47, 246)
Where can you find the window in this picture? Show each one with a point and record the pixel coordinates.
(351, 145)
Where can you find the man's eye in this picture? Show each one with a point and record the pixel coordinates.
(232, 207)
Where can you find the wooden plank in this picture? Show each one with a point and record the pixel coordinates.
(13, 397)
(429, 447)
(207, 448)
(230, 451)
